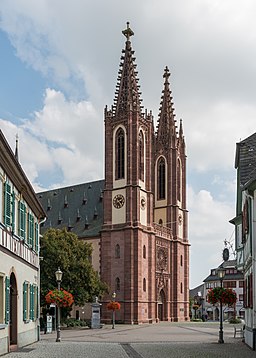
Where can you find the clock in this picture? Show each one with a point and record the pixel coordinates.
(118, 201)
(143, 203)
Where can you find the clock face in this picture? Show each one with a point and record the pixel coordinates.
(118, 201)
(143, 203)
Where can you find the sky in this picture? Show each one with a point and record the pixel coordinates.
(58, 70)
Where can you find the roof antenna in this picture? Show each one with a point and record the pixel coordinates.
(16, 147)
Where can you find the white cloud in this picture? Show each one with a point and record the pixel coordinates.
(208, 228)
(56, 138)
(209, 47)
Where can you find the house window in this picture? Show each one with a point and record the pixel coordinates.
(241, 284)
(117, 251)
(120, 154)
(161, 179)
(144, 252)
(141, 156)
(117, 284)
(9, 206)
(1, 298)
(144, 285)
(22, 220)
(181, 260)
(181, 287)
(31, 230)
(229, 284)
(26, 301)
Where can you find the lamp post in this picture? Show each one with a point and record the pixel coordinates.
(113, 311)
(221, 273)
(58, 275)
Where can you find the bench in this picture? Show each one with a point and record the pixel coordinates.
(239, 330)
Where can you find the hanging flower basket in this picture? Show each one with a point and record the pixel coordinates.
(224, 295)
(113, 306)
(60, 297)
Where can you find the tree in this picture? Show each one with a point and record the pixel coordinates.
(60, 248)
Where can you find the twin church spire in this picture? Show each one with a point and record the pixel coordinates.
(128, 96)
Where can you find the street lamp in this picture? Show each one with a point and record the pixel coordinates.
(113, 311)
(221, 273)
(58, 275)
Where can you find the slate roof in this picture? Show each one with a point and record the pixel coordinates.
(246, 159)
(226, 264)
(79, 208)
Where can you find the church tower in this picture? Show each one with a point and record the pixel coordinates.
(143, 245)
(170, 201)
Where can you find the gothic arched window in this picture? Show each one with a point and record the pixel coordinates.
(178, 180)
(161, 179)
(117, 251)
(141, 156)
(120, 154)
(144, 252)
(117, 284)
(144, 285)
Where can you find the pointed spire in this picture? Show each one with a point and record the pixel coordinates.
(166, 121)
(16, 147)
(181, 136)
(181, 130)
(127, 96)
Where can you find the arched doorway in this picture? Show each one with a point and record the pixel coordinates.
(13, 311)
(161, 305)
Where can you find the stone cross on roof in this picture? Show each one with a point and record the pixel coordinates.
(128, 32)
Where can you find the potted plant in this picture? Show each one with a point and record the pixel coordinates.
(61, 298)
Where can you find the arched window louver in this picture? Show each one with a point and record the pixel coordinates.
(141, 156)
(161, 179)
(120, 157)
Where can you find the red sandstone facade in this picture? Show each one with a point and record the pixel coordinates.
(144, 248)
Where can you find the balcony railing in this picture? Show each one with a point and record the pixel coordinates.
(18, 247)
(163, 231)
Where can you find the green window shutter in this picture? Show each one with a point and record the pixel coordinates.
(13, 211)
(36, 236)
(7, 204)
(25, 297)
(22, 220)
(37, 302)
(31, 230)
(7, 300)
(31, 302)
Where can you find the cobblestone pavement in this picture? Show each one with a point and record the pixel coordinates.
(172, 340)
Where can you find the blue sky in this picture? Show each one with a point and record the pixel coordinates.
(22, 88)
(58, 70)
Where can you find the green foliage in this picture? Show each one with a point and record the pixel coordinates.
(219, 294)
(60, 248)
(234, 320)
(72, 322)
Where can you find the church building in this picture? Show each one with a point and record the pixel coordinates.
(137, 218)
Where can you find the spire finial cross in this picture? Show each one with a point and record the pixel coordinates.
(166, 73)
(128, 32)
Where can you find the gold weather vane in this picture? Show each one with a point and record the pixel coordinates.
(128, 32)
